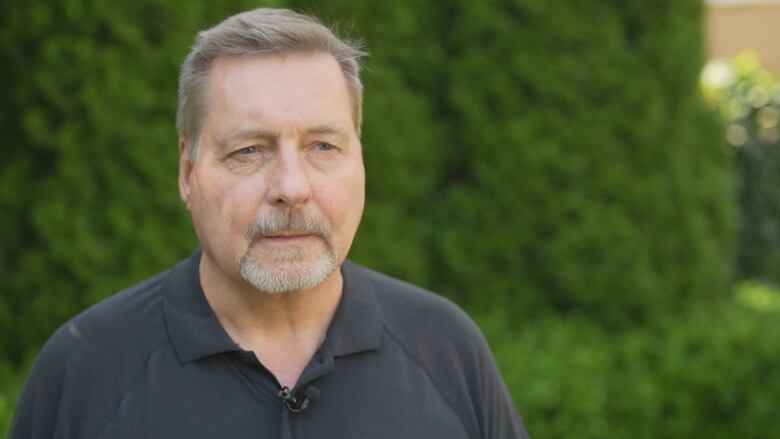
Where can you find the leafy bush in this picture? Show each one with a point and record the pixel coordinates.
(748, 97)
(88, 176)
(711, 373)
(521, 156)
(518, 155)
(11, 381)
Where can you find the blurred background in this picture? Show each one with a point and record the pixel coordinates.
(575, 174)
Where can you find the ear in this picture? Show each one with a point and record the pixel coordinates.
(185, 170)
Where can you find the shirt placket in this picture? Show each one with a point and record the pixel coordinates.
(294, 419)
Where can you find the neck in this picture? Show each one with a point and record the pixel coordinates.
(283, 329)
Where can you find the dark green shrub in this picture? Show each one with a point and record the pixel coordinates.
(543, 155)
(11, 381)
(520, 154)
(711, 374)
(88, 177)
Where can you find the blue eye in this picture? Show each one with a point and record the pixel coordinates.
(322, 146)
(248, 150)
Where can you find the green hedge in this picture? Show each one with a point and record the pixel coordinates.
(11, 381)
(712, 373)
(521, 154)
(88, 176)
(543, 155)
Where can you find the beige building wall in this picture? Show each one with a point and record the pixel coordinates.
(734, 25)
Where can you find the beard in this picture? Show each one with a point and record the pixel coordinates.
(295, 266)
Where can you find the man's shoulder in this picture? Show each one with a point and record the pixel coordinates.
(92, 361)
(444, 341)
(414, 316)
(126, 324)
(396, 294)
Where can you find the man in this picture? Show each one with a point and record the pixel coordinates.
(268, 331)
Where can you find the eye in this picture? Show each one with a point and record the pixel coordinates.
(323, 146)
(247, 150)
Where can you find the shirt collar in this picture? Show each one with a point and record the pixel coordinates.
(193, 327)
(195, 331)
(357, 323)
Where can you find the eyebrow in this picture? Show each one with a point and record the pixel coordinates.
(252, 133)
(244, 135)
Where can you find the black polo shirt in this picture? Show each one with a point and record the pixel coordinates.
(154, 362)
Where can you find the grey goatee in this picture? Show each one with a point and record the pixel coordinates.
(287, 269)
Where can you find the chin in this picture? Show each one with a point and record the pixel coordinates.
(284, 274)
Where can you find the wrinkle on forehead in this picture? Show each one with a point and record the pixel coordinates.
(273, 93)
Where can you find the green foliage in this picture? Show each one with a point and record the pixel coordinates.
(11, 382)
(88, 178)
(517, 155)
(748, 97)
(524, 155)
(520, 155)
(711, 374)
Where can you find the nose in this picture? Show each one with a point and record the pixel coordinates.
(289, 184)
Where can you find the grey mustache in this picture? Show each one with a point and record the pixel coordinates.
(291, 221)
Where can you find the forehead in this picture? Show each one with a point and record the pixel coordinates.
(278, 90)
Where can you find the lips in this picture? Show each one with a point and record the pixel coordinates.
(288, 236)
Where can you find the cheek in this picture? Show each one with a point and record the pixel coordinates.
(222, 208)
(239, 205)
(343, 202)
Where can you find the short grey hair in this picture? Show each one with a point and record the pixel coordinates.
(263, 31)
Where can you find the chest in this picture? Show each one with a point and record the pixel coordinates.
(359, 398)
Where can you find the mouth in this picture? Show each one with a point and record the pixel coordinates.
(284, 236)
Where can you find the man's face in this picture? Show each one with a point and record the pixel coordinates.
(277, 190)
